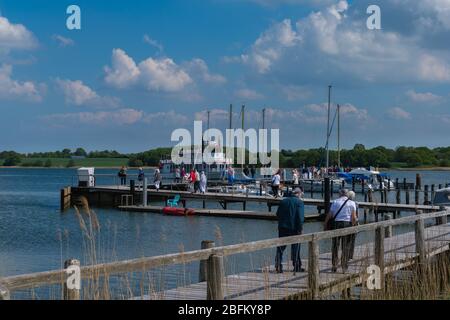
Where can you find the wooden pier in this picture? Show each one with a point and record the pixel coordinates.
(411, 249)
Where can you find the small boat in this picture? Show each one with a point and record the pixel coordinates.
(442, 197)
(174, 211)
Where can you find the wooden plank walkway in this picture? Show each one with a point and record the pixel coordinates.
(270, 200)
(219, 213)
(265, 284)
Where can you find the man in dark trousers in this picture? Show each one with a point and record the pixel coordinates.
(291, 215)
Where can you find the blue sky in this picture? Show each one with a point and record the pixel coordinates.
(137, 70)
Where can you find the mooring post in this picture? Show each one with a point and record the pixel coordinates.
(404, 183)
(206, 244)
(214, 276)
(407, 195)
(327, 199)
(312, 189)
(441, 220)
(420, 241)
(396, 184)
(379, 252)
(418, 182)
(144, 192)
(416, 196)
(72, 291)
(313, 268)
(363, 184)
(365, 210)
(425, 196)
(433, 188)
(353, 184)
(389, 184)
(388, 233)
(4, 293)
(440, 187)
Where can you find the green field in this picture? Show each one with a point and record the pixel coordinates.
(87, 162)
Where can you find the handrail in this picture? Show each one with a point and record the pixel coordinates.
(58, 276)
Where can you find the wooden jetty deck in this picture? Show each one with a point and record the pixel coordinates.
(111, 195)
(266, 284)
(391, 253)
(219, 213)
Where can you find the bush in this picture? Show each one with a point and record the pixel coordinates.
(444, 163)
(12, 161)
(135, 163)
(48, 163)
(70, 164)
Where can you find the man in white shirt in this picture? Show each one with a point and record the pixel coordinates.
(276, 181)
(343, 215)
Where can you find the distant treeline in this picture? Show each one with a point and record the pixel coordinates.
(359, 156)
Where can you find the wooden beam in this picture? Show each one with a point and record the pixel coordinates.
(214, 278)
(313, 269)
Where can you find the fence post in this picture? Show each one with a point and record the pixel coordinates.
(379, 252)
(441, 220)
(214, 277)
(4, 293)
(144, 192)
(326, 198)
(313, 268)
(420, 240)
(206, 244)
(425, 196)
(72, 293)
(388, 229)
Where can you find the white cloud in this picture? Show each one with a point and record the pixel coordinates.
(153, 42)
(79, 94)
(123, 72)
(334, 42)
(117, 117)
(248, 94)
(426, 97)
(63, 41)
(399, 114)
(15, 36)
(13, 89)
(295, 93)
(163, 75)
(199, 69)
(269, 47)
(155, 74)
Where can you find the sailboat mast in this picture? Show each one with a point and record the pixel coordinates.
(328, 129)
(243, 135)
(339, 134)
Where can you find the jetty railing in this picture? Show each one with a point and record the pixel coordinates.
(213, 257)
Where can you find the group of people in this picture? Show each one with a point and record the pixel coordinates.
(343, 213)
(157, 179)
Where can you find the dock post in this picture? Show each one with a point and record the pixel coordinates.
(425, 196)
(312, 189)
(4, 293)
(433, 188)
(363, 184)
(327, 199)
(206, 244)
(440, 187)
(379, 252)
(313, 269)
(404, 183)
(407, 195)
(420, 241)
(353, 184)
(214, 276)
(441, 220)
(144, 192)
(418, 182)
(365, 210)
(416, 196)
(396, 184)
(389, 184)
(388, 233)
(72, 292)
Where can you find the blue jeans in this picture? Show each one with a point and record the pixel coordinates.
(295, 250)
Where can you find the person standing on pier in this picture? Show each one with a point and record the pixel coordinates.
(342, 215)
(141, 176)
(230, 175)
(295, 180)
(157, 179)
(123, 176)
(276, 181)
(291, 216)
(203, 182)
(177, 175)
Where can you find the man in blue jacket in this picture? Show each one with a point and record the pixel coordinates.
(291, 215)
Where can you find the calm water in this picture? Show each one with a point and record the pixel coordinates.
(35, 236)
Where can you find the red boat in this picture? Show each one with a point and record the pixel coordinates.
(173, 211)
